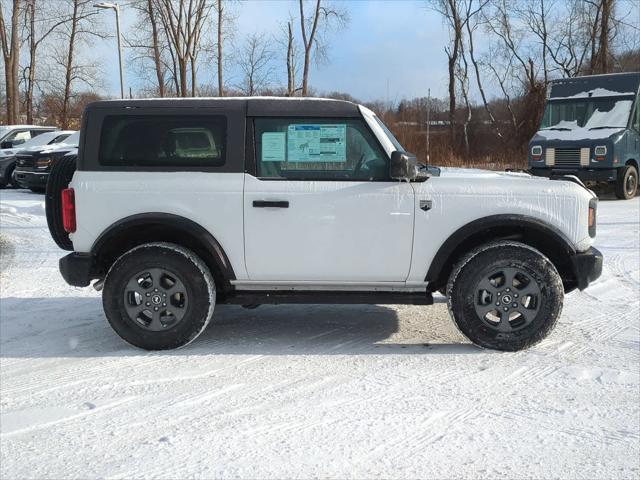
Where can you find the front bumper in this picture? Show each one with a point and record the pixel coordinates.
(587, 267)
(77, 269)
(584, 174)
(31, 179)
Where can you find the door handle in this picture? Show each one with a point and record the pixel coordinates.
(271, 204)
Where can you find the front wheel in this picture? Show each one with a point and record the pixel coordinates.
(627, 182)
(505, 296)
(159, 296)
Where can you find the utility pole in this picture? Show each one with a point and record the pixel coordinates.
(115, 7)
(428, 121)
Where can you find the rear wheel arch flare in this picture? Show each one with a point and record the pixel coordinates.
(528, 230)
(135, 230)
(633, 162)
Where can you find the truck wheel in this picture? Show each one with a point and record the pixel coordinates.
(159, 296)
(627, 182)
(505, 296)
(10, 178)
(59, 178)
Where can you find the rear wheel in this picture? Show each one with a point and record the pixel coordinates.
(10, 177)
(59, 178)
(159, 296)
(505, 296)
(627, 182)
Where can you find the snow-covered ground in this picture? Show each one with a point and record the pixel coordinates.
(314, 391)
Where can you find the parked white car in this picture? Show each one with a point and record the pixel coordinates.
(275, 200)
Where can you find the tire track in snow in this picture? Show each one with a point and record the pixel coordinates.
(97, 410)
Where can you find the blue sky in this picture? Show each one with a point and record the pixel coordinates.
(391, 49)
(389, 46)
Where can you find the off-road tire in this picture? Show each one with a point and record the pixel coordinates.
(626, 174)
(10, 178)
(59, 178)
(462, 292)
(191, 271)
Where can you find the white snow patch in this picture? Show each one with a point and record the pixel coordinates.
(580, 133)
(596, 92)
(616, 117)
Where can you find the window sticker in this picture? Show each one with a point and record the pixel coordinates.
(317, 143)
(273, 146)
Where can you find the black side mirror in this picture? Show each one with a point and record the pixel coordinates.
(403, 166)
(6, 144)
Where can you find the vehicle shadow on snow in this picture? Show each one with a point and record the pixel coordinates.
(76, 327)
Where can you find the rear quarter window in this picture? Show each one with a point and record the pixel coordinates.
(163, 141)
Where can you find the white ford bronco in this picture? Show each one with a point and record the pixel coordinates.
(173, 206)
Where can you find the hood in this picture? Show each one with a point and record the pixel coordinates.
(577, 134)
(479, 173)
(8, 152)
(478, 177)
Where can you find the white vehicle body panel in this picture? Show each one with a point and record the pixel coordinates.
(212, 200)
(459, 199)
(339, 231)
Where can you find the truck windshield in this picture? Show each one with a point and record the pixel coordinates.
(589, 113)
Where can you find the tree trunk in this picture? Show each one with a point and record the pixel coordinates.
(31, 5)
(64, 120)
(308, 42)
(603, 51)
(156, 48)
(11, 57)
(182, 65)
(220, 84)
(291, 86)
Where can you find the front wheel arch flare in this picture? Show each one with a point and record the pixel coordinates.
(528, 230)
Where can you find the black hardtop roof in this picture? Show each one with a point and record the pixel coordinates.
(253, 106)
(608, 85)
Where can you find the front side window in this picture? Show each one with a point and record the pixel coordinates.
(19, 137)
(318, 149)
(163, 141)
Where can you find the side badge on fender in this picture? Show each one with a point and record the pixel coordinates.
(425, 205)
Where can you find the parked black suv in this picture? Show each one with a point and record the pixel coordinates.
(33, 167)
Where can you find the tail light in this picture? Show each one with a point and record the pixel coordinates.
(68, 210)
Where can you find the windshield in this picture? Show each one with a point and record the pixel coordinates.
(587, 113)
(42, 139)
(394, 140)
(73, 139)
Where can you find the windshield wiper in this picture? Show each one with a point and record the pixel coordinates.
(603, 126)
(564, 129)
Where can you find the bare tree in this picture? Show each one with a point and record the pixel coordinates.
(71, 65)
(322, 18)
(471, 26)
(10, 41)
(219, 7)
(184, 22)
(291, 61)
(457, 13)
(39, 26)
(255, 61)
